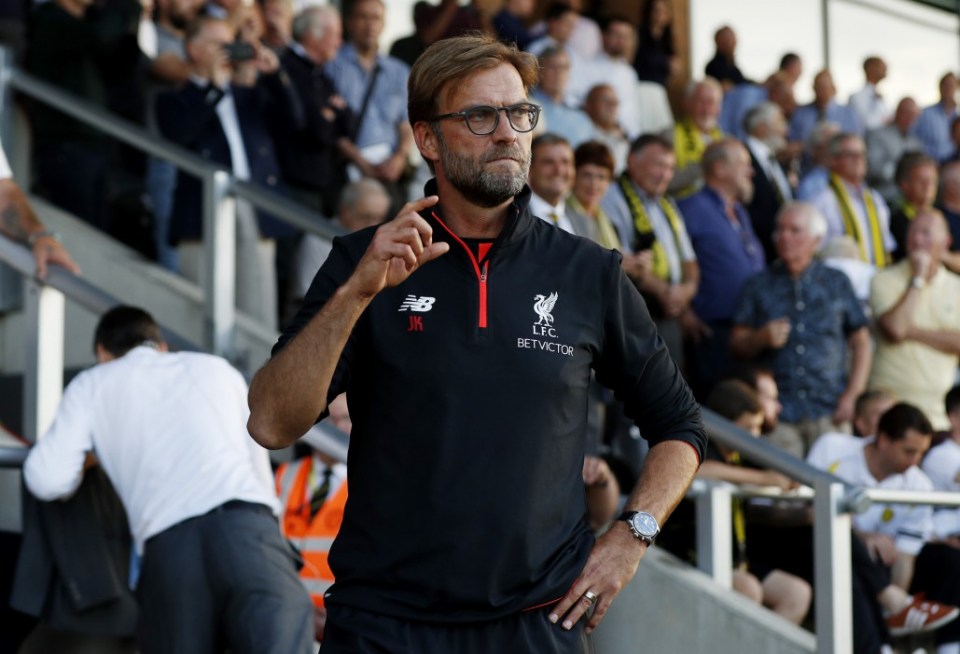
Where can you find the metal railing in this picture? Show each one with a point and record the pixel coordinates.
(220, 189)
(833, 502)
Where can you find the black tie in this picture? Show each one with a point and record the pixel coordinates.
(319, 495)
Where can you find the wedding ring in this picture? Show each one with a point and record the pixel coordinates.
(590, 596)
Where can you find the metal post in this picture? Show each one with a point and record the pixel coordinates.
(825, 27)
(6, 97)
(714, 546)
(832, 570)
(43, 372)
(220, 259)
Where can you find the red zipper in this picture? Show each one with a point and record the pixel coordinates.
(481, 275)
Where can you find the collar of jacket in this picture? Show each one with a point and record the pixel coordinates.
(519, 220)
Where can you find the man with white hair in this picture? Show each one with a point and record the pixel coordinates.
(917, 309)
(801, 319)
(694, 132)
(766, 130)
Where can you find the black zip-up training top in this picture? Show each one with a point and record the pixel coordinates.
(467, 387)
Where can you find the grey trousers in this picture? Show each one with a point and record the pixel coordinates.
(226, 579)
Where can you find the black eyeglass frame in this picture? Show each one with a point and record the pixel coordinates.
(534, 119)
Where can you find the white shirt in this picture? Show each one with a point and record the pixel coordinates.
(170, 432)
(870, 107)
(762, 152)
(829, 448)
(909, 526)
(828, 204)
(942, 465)
(544, 210)
(227, 113)
(5, 172)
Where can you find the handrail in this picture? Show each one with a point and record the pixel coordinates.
(12, 457)
(78, 289)
(761, 452)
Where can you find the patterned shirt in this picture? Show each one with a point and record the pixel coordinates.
(823, 311)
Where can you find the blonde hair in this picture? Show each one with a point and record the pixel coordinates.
(449, 61)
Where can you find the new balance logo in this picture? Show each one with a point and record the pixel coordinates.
(420, 304)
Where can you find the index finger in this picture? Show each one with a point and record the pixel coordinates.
(419, 205)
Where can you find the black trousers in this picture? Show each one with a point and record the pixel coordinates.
(937, 575)
(223, 579)
(353, 631)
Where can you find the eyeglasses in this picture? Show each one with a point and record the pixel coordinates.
(483, 120)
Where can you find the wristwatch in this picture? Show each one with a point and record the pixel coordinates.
(643, 525)
(918, 282)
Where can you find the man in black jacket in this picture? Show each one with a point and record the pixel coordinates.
(228, 124)
(466, 330)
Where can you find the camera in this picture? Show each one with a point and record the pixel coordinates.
(239, 51)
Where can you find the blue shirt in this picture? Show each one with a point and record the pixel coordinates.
(388, 103)
(728, 254)
(933, 130)
(737, 102)
(572, 124)
(511, 29)
(813, 183)
(805, 118)
(823, 311)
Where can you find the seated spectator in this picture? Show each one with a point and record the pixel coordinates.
(612, 67)
(817, 178)
(551, 93)
(800, 318)
(942, 465)
(766, 139)
(226, 123)
(915, 304)
(761, 380)
(560, 19)
(867, 411)
(656, 59)
(823, 108)
(886, 145)
(949, 205)
(916, 178)
(602, 107)
(20, 223)
(659, 257)
(363, 204)
(851, 207)
(933, 125)
(694, 132)
(594, 172)
(313, 493)
(723, 67)
(375, 88)
(728, 254)
(897, 538)
(867, 103)
(550, 179)
(169, 430)
(510, 22)
(782, 592)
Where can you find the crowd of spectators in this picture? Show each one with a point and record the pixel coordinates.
(819, 243)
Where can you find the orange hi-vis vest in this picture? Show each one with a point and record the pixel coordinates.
(312, 537)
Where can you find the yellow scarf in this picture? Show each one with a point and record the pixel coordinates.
(738, 516)
(688, 143)
(606, 232)
(641, 222)
(851, 226)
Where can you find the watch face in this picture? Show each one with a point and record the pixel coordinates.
(645, 524)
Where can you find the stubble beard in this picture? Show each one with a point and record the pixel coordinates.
(479, 185)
